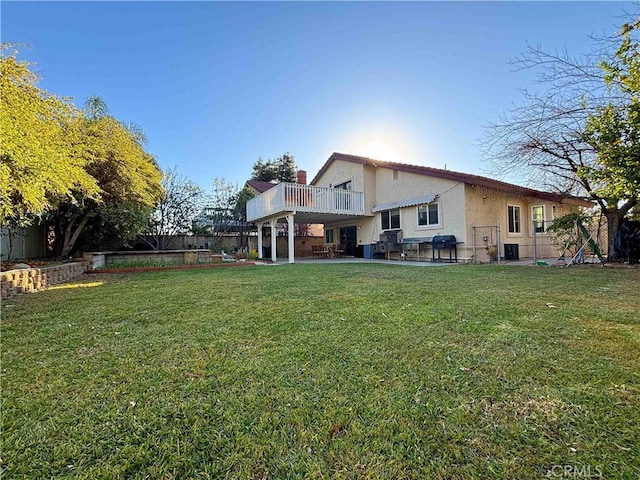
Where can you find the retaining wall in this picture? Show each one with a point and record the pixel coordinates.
(15, 282)
(100, 259)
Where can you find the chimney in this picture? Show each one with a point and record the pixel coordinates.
(302, 177)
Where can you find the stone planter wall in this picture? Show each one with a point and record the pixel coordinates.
(15, 282)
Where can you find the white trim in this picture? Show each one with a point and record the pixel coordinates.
(429, 225)
(519, 232)
(333, 234)
(543, 219)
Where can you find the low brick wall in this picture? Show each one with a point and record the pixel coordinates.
(15, 282)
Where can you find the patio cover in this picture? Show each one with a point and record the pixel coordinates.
(403, 203)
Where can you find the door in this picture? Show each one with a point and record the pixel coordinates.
(348, 238)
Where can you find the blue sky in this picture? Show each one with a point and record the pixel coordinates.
(215, 85)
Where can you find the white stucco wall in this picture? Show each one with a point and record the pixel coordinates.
(407, 186)
(461, 206)
(380, 186)
(362, 181)
(341, 172)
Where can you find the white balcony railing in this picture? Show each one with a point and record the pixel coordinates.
(294, 197)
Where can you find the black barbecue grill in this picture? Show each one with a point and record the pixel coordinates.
(444, 242)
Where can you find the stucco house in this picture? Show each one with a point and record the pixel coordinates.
(361, 201)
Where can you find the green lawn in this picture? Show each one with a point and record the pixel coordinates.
(326, 371)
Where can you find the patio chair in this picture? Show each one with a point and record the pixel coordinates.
(339, 251)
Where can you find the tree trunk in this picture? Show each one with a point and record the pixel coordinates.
(70, 238)
(151, 240)
(613, 225)
(614, 218)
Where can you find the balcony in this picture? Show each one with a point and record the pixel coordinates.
(310, 203)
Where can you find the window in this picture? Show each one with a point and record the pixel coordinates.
(390, 219)
(537, 215)
(554, 212)
(328, 235)
(428, 214)
(343, 199)
(513, 212)
(344, 186)
(395, 174)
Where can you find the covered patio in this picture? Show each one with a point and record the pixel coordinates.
(297, 203)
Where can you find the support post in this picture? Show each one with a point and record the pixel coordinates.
(272, 223)
(291, 238)
(260, 225)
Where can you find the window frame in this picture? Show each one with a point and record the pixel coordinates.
(329, 235)
(515, 222)
(538, 230)
(348, 185)
(427, 225)
(389, 216)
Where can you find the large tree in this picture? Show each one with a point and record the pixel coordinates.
(240, 208)
(579, 133)
(281, 169)
(613, 130)
(40, 165)
(122, 221)
(77, 169)
(175, 212)
(124, 171)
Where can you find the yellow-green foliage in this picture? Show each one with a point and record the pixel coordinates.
(120, 165)
(39, 165)
(53, 154)
(614, 130)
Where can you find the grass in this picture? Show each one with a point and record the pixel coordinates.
(326, 371)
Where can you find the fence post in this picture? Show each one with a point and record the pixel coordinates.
(534, 238)
(475, 258)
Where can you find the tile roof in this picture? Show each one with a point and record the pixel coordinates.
(259, 186)
(455, 176)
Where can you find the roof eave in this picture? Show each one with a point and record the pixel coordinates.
(466, 178)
